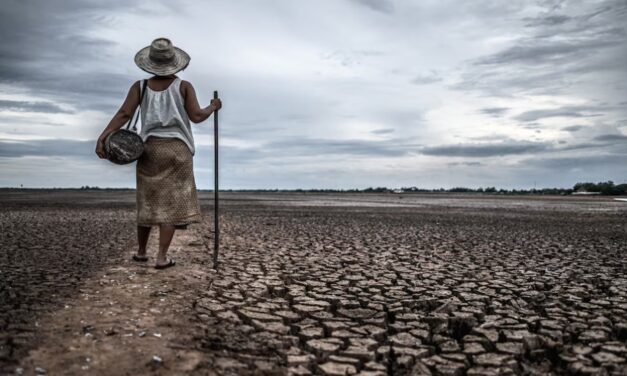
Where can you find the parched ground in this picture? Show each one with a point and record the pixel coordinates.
(317, 284)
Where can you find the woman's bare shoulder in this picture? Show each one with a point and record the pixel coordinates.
(185, 88)
(135, 88)
(186, 84)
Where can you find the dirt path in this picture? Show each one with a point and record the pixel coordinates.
(130, 319)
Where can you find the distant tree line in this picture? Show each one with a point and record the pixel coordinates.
(602, 188)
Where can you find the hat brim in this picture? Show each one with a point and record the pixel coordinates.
(179, 62)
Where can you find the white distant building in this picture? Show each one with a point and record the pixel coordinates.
(583, 192)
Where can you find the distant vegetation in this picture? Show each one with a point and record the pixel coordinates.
(602, 188)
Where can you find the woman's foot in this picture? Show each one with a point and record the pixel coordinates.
(140, 257)
(167, 264)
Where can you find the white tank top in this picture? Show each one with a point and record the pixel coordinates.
(163, 115)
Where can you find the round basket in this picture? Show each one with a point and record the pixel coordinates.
(123, 146)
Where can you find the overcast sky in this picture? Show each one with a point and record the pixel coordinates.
(329, 93)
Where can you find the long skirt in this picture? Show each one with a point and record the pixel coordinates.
(166, 190)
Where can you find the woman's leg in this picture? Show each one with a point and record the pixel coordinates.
(166, 232)
(143, 233)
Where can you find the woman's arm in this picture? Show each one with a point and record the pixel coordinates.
(120, 118)
(196, 113)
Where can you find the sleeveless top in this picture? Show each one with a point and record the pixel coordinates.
(163, 115)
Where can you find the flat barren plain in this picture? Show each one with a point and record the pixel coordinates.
(324, 284)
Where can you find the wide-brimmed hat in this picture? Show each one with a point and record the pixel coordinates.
(161, 58)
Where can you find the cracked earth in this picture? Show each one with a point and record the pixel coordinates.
(321, 284)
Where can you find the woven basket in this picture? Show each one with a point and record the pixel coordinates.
(123, 146)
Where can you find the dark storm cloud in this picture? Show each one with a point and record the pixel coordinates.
(485, 149)
(560, 47)
(384, 6)
(47, 148)
(42, 52)
(25, 106)
(588, 33)
(566, 111)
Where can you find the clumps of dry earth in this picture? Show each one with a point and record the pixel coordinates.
(417, 290)
(443, 292)
(46, 253)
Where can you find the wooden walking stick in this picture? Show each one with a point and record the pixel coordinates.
(216, 224)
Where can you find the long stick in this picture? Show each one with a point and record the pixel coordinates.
(216, 224)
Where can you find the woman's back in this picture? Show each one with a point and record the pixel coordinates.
(160, 83)
(163, 112)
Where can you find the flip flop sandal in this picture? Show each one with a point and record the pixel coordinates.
(169, 264)
(140, 258)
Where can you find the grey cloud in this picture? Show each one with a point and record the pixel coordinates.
(538, 52)
(465, 164)
(317, 146)
(557, 51)
(47, 148)
(604, 162)
(574, 128)
(508, 81)
(25, 106)
(42, 49)
(292, 151)
(581, 146)
(384, 6)
(611, 137)
(290, 148)
(511, 147)
(547, 20)
(485, 149)
(494, 111)
(566, 111)
(590, 30)
(383, 131)
(426, 78)
(493, 137)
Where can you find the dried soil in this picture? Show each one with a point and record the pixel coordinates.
(320, 284)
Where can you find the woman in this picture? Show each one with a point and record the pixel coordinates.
(166, 190)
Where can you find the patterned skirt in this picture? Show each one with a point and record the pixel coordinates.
(166, 190)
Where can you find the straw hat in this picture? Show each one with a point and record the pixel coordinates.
(161, 58)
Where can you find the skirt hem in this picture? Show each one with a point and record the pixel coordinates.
(175, 223)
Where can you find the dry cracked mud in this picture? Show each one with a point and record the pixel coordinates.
(459, 285)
